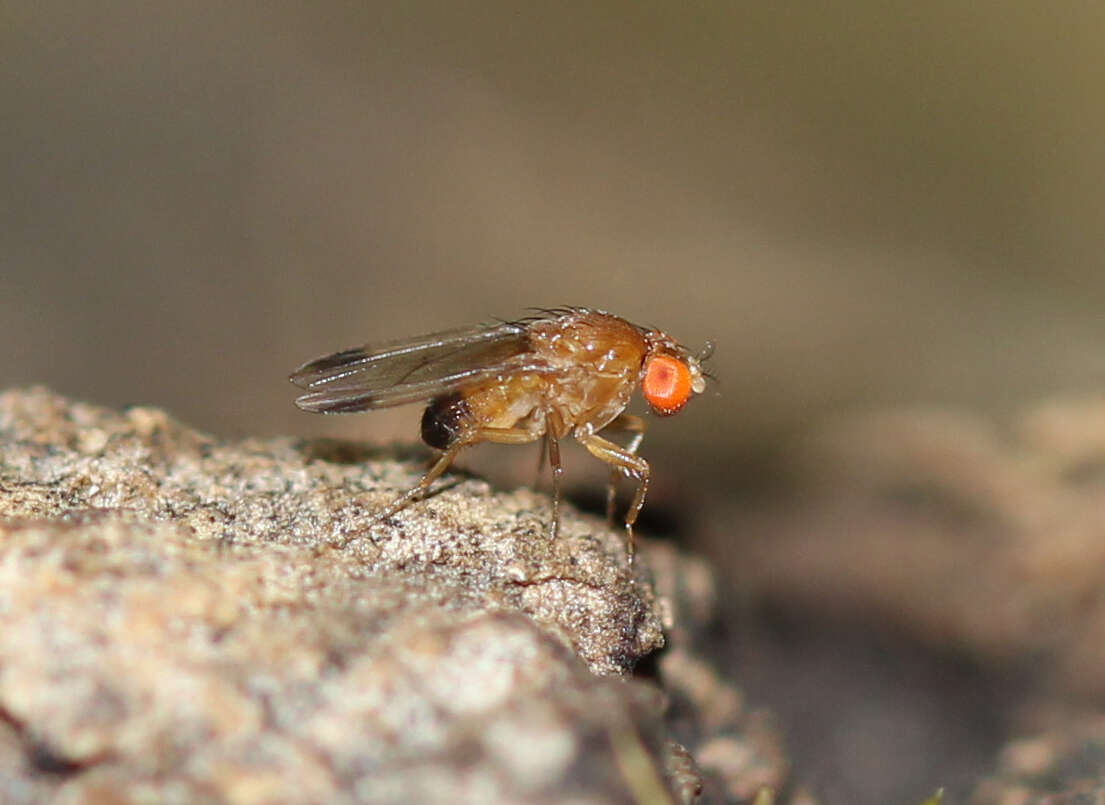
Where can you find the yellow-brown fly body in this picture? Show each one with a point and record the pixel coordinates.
(559, 372)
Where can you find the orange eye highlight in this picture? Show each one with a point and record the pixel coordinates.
(667, 384)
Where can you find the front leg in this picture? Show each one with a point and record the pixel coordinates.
(636, 426)
(621, 459)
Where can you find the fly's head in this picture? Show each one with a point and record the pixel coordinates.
(670, 375)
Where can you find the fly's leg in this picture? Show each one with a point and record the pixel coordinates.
(412, 494)
(423, 485)
(554, 428)
(523, 436)
(476, 435)
(557, 471)
(622, 460)
(503, 436)
(636, 426)
(541, 463)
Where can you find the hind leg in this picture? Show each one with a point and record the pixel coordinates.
(419, 490)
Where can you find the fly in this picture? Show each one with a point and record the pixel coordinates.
(560, 372)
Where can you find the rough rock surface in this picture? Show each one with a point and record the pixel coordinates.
(188, 620)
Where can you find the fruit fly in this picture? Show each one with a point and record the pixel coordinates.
(557, 373)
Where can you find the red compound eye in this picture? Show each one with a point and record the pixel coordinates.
(667, 384)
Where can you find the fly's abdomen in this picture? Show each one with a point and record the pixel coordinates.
(445, 420)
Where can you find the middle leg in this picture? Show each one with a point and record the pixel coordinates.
(553, 428)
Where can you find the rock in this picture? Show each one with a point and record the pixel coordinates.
(183, 619)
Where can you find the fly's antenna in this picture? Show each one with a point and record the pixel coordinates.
(703, 355)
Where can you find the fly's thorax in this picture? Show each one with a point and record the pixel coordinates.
(597, 358)
(590, 342)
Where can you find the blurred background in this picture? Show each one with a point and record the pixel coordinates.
(863, 205)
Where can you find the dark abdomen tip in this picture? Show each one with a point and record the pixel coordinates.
(443, 421)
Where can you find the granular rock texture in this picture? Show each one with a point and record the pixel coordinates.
(187, 620)
(481, 550)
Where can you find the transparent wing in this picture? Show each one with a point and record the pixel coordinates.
(414, 369)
